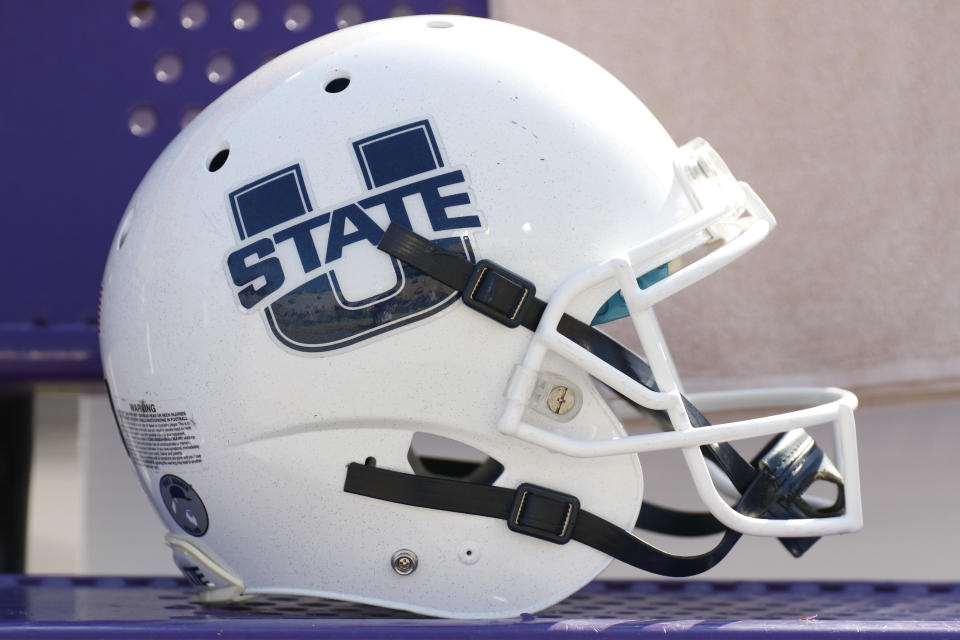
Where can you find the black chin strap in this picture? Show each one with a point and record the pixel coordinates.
(530, 510)
(771, 486)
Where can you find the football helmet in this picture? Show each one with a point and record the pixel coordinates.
(350, 331)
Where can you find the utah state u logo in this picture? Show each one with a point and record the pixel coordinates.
(318, 276)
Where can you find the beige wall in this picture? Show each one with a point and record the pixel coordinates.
(845, 117)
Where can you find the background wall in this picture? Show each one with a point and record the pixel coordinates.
(844, 117)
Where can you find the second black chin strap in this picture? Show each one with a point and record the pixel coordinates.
(531, 510)
(770, 487)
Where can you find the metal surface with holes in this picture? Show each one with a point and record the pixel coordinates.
(165, 608)
(92, 91)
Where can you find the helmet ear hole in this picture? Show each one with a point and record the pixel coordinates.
(438, 457)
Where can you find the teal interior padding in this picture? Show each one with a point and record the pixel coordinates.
(616, 307)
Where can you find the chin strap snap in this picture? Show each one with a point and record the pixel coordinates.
(771, 486)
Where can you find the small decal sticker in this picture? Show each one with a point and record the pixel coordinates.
(184, 505)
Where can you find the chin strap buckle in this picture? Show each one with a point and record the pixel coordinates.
(498, 293)
(542, 513)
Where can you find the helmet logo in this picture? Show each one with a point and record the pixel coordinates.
(317, 276)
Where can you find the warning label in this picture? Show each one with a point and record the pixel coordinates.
(157, 437)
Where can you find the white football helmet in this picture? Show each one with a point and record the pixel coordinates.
(349, 330)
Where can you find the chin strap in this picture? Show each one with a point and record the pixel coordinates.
(533, 511)
(771, 486)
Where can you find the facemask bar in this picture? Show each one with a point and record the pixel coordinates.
(734, 219)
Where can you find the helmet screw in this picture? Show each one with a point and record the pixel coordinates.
(560, 400)
(404, 562)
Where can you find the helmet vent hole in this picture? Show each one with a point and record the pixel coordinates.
(338, 84)
(219, 159)
(439, 24)
(438, 457)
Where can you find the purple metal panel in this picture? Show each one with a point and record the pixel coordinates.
(73, 74)
(163, 608)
